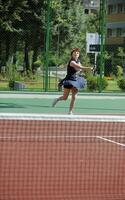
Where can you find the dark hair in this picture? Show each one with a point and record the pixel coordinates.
(75, 49)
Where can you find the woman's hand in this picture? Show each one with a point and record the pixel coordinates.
(87, 69)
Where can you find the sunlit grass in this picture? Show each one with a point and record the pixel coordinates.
(112, 85)
(39, 85)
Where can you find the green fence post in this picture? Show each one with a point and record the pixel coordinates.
(103, 8)
(47, 44)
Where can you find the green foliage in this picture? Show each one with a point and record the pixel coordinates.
(12, 75)
(69, 28)
(37, 64)
(22, 33)
(23, 28)
(119, 72)
(11, 84)
(92, 22)
(120, 52)
(11, 14)
(117, 62)
(121, 83)
(93, 83)
(10, 71)
(104, 82)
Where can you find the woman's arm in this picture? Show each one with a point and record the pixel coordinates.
(78, 66)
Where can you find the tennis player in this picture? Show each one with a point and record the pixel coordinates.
(72, 82)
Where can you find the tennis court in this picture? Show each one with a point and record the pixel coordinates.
(42, 103)
(58, 156)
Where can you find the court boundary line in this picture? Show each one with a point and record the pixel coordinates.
(111, 141)
(105, 138)
(51, 96)
(66, 136)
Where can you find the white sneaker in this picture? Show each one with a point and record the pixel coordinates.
(54, 102)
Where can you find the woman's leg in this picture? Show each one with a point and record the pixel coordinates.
(74, 94)
(63, 97)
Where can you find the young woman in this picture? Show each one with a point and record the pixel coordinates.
(72, 82)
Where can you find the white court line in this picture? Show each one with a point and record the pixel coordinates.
(49, 96)
(61, 137)
(111, 141)
(64, 137)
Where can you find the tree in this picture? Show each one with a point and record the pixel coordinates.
(68, 22)
(10, 16)
(23, 27)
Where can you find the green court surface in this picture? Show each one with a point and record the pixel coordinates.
(41, 103)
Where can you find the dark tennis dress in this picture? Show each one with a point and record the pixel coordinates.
(72, 79)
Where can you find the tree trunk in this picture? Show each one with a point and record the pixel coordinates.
(26, 56)
(35, 48)
(35, 54)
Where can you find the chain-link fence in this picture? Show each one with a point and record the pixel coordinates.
(36, 38)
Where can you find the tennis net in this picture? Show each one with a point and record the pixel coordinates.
(50, 157)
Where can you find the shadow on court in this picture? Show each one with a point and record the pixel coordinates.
(10, 105)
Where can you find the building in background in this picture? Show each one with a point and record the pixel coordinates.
(115, 23)
(91, 6)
